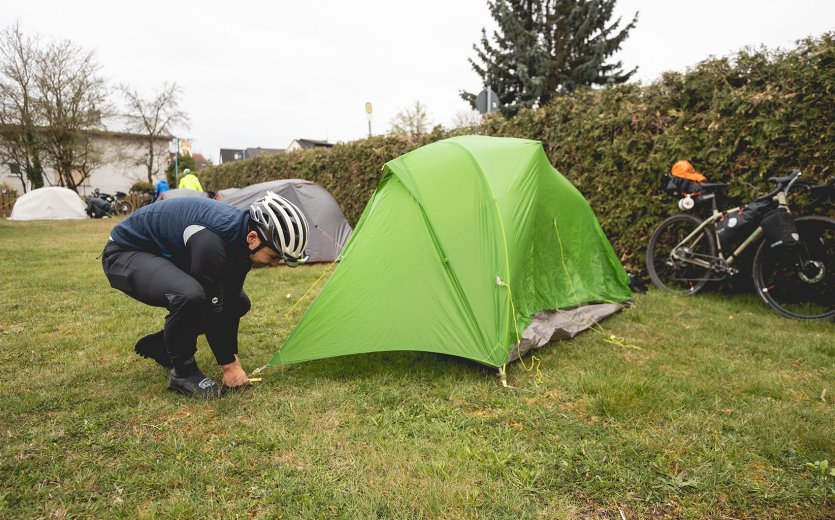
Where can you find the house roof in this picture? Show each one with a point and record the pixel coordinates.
(200, 161)
(231, 154)
(96, 132)
(312, 143)
(255, 152)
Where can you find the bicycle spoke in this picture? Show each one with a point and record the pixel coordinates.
(800, 282)
(680, 272)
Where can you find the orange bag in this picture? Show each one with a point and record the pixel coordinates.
(685, 170)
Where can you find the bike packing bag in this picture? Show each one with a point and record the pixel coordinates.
(779, 229)
(678, 186)
(736, 226)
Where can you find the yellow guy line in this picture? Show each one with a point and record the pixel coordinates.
(535, 361)
(325, 272)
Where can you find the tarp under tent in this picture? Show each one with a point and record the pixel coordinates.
(52, 203)
(464, 245)
(177, 193)
(329, 230)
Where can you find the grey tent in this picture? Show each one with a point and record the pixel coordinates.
(182, 192)
(222, 194)
(329, 231)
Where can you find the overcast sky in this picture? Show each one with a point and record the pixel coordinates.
(259, 74)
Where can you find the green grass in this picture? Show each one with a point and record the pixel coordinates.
(721, 413)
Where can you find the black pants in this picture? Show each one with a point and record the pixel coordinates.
(155, 280)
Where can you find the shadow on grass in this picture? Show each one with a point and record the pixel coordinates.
(405, 365)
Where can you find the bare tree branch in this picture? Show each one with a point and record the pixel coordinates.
(154, 118)
(412, 122)
(18, 116)
(72, 99)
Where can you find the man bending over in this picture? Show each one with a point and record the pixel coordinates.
(191, 256)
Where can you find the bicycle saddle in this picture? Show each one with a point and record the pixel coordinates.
(713, 185)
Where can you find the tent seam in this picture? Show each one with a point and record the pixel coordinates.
(447, 267)
(486, 184)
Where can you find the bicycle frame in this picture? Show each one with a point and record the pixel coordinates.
(725, 262)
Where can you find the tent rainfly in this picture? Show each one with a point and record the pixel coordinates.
(177, 193)
(52, 203)
(472, 246)
(329, 231)
(222, 194)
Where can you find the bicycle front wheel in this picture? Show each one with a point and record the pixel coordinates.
(679, 272)
(799, 282)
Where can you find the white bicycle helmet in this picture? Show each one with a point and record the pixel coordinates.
(281, 226)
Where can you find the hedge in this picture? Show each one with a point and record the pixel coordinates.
(738, 119)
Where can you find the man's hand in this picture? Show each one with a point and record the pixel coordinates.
(234, 375)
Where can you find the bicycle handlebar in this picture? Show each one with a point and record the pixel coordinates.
(795, 175)
(782, 182)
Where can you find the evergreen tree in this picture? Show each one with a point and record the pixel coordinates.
(547, 47)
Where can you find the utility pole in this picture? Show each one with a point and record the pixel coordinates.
(368, 112)
(174, 147)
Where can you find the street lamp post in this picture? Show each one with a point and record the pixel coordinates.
(174, 147)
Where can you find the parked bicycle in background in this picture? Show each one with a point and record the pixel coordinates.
(118, 203)
(794, 263)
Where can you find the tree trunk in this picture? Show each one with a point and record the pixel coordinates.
(151, 160)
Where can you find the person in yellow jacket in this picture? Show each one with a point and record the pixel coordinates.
(190, 181)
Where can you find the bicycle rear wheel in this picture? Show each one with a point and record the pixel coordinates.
(799, 282)
(676, 274)
(123, 207)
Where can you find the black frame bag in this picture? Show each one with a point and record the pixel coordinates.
(736, 226)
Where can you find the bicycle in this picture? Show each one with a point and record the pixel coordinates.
(119, 205)
(797, 281)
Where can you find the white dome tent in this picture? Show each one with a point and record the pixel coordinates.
(51, 203)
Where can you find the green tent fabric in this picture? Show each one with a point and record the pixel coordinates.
(462, 243)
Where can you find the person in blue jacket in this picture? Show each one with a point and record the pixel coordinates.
(191, 256)
(162, 187)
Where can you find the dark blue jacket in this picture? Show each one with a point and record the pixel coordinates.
(158, 228)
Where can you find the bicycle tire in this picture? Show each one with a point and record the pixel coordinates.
(799, 283)
(675, 275)
(124, 207)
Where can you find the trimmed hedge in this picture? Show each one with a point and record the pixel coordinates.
(349, 171)
(738, 119)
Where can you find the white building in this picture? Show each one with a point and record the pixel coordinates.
(123, 162)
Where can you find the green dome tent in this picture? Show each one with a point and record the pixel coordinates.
(462, 244)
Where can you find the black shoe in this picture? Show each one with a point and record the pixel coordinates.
(152, 346)
(195, 385)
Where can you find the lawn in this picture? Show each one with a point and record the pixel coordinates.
(722, 410)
